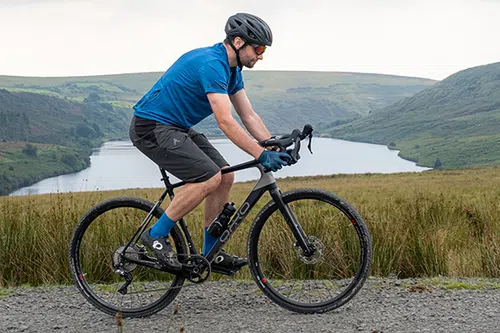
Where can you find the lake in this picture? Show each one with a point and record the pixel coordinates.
(119, 165)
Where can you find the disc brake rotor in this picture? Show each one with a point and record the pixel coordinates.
(318, 251)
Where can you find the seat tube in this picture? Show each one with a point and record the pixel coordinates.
(291, 220)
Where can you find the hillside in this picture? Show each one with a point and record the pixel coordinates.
(54, 120)
(43, 136)
(456, 121)
(284, 99)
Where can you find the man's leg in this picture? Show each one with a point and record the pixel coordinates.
(224, 263)
(184, 202)
(213, 205)
(216, 200)
(174, 150)
(191, 195)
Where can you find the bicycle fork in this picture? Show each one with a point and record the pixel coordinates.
(301, 237)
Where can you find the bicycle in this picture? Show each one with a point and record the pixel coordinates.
(305, 242)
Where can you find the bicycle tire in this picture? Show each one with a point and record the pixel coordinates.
(349, 237)
(123, 210)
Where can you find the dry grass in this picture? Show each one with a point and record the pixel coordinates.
(422, 224)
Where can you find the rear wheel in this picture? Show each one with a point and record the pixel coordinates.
(95, 249)
(329, 277)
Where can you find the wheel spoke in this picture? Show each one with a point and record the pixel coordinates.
(329, 277)
(105, 232)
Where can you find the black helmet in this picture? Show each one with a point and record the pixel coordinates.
(249, 27)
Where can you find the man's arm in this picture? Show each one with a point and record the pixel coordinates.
(221, 106)
(250, 119)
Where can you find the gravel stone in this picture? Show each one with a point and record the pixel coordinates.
(383, 305)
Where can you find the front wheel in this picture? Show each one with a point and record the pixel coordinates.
(95, 253)
(315, 283)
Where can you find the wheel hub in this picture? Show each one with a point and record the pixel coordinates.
(134, 251)
(317, 254)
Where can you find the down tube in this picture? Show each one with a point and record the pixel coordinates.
(250, 201)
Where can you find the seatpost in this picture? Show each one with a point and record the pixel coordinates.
(166, 181)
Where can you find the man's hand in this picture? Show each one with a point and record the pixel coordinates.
(273, 161)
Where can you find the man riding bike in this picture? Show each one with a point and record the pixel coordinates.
(201, 82)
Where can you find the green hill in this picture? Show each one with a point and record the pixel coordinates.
(284, 99)
(456, 121)
(43, 136)
(55, 120)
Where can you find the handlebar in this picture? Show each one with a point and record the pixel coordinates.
(285, 141)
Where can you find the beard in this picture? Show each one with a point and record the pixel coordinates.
(250, 63)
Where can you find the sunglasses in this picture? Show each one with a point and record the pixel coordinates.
(259, 49)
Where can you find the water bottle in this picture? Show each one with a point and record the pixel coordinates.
(217, 227)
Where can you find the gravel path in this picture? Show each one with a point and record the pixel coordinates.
(383, 305)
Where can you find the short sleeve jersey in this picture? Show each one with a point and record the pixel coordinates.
(179, 97)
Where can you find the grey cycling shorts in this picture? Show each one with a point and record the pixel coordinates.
(186, 154)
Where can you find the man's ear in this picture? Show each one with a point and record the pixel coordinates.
(238, 42)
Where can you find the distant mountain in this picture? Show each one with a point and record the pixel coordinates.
(284, 99)
(454, 124)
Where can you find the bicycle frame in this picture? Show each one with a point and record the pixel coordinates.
(265, 183)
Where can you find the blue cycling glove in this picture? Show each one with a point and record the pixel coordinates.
(273, 160)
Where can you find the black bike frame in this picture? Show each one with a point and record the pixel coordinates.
(265, 183)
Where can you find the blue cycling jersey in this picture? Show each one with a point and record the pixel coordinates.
(179, 97)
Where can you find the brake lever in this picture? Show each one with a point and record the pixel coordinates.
(310, 141)
(295, 152)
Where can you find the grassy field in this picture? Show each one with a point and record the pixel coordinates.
(435, 223)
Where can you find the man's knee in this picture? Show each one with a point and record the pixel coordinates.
(227, 180)
(213, 183)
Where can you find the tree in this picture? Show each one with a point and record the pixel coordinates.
(438, 164)
(27, 127)
(30, 150)
(85, 131)
(97, 129)
(69, 159)
(93, 97)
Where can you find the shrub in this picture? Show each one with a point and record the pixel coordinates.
(30, 150)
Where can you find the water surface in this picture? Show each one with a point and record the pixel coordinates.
(119, 165)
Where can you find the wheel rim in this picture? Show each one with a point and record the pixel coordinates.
(95, 258)
(334, 277)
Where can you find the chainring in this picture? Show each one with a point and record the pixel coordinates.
(201, 269)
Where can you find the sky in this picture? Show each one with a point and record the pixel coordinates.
(426, 38)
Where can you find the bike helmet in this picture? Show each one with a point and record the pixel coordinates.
(249, 27)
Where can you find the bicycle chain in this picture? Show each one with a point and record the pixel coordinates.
(187, 285)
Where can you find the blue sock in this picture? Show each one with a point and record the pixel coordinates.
(208, 242)
(162, 227)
